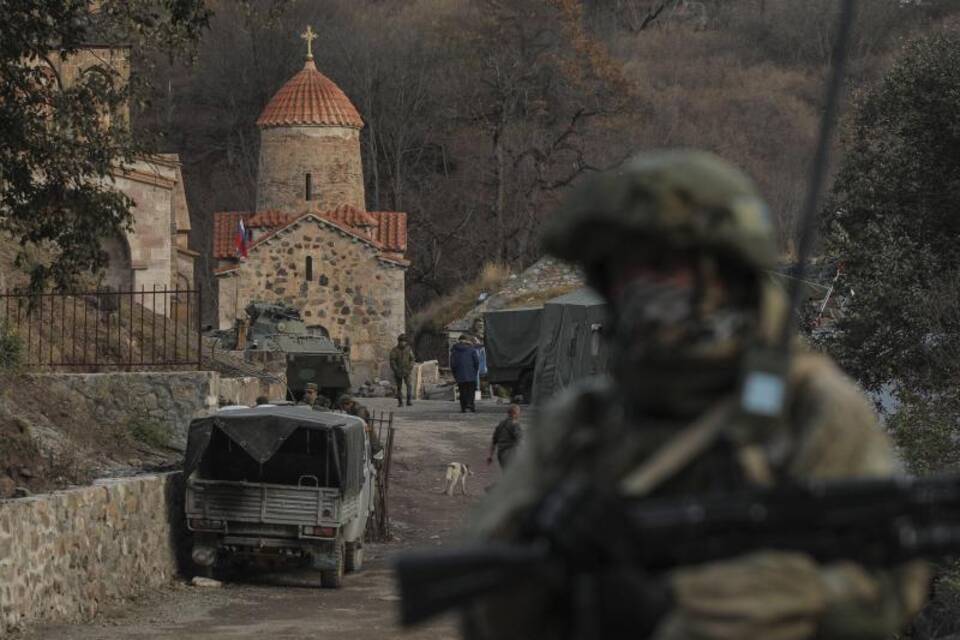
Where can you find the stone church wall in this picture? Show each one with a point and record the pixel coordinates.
(331, 155)
(151, 245)
(351, 292)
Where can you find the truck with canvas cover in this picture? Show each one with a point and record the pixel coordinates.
(285, 483)
(511, 337)
(570, 346)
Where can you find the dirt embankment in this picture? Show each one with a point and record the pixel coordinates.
(49, 439)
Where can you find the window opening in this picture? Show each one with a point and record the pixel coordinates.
(309, 268)
(308, 187)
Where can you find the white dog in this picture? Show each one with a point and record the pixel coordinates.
(457, 472)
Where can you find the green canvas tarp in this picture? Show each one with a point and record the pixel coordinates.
(570, 345)
(511, 339)
(260, 433)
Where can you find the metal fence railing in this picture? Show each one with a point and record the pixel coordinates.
(106, 329)
(379, 529)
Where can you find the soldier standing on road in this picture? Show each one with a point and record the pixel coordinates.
(313, 399)
(678, 243)
(506, 437)
(401, 364)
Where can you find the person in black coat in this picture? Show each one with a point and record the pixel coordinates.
(465, 364)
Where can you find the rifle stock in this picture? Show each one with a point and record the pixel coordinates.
(870, 521)
(432, 582)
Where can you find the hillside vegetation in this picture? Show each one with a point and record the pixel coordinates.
(481, 113)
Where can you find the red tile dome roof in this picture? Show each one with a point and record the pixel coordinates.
(310, 98)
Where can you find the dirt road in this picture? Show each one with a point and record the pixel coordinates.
(429, 435)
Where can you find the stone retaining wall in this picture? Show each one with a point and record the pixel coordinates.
(65, 555)
(246, 390)
(169, 399)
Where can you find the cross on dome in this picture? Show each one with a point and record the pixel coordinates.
(309, 35)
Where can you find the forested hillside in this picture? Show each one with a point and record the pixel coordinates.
(479, 113)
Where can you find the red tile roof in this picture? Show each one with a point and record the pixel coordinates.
(385, 230)
(391, 232)
(310, 98)
(351, 216)
(226, 224)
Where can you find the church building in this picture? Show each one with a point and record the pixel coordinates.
(311, 242)
(154, 253)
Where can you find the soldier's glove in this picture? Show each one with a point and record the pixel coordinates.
(771, 595)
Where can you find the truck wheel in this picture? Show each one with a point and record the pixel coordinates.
(354, 556)
(333, 578)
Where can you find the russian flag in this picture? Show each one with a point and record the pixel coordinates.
(241, 240)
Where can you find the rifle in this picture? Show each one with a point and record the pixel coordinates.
(875, 522)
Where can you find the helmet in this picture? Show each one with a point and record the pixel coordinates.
(657, 203)
(676, 199)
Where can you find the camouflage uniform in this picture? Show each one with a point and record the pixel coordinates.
(321, 403)
(401, 364)
(688, 200)
(351, 407)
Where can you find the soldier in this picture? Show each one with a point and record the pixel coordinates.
(678, 243)
(351, 407)
(401, 364)
(506, 437)
(313, 399)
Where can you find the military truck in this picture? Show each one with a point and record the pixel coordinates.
(511, 337)
(538, 351)
(283, 484)
(311, 355)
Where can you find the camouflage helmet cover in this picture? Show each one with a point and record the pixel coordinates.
(675, 198)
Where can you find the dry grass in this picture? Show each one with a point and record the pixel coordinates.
(538, 298)
(457, 303)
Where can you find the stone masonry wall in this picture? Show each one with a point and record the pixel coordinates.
(64, 556)
(331, 155)
(150, 241)
(352, 293)
(170, 399)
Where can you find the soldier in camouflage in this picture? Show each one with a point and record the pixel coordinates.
(350, 406)
(678, 242)
(313, 399)
(401, 364)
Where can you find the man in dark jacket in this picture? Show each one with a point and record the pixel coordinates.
(465, 364)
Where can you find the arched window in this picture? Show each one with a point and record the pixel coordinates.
(308, 187)
(309, 268)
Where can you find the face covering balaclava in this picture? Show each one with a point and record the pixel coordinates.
(675, 344)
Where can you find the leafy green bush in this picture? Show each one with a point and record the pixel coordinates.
(149, 432)
(11, 349)
(925, 431)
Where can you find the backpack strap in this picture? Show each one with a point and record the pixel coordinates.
(679, 451)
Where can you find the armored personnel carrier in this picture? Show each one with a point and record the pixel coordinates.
(311, 355)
